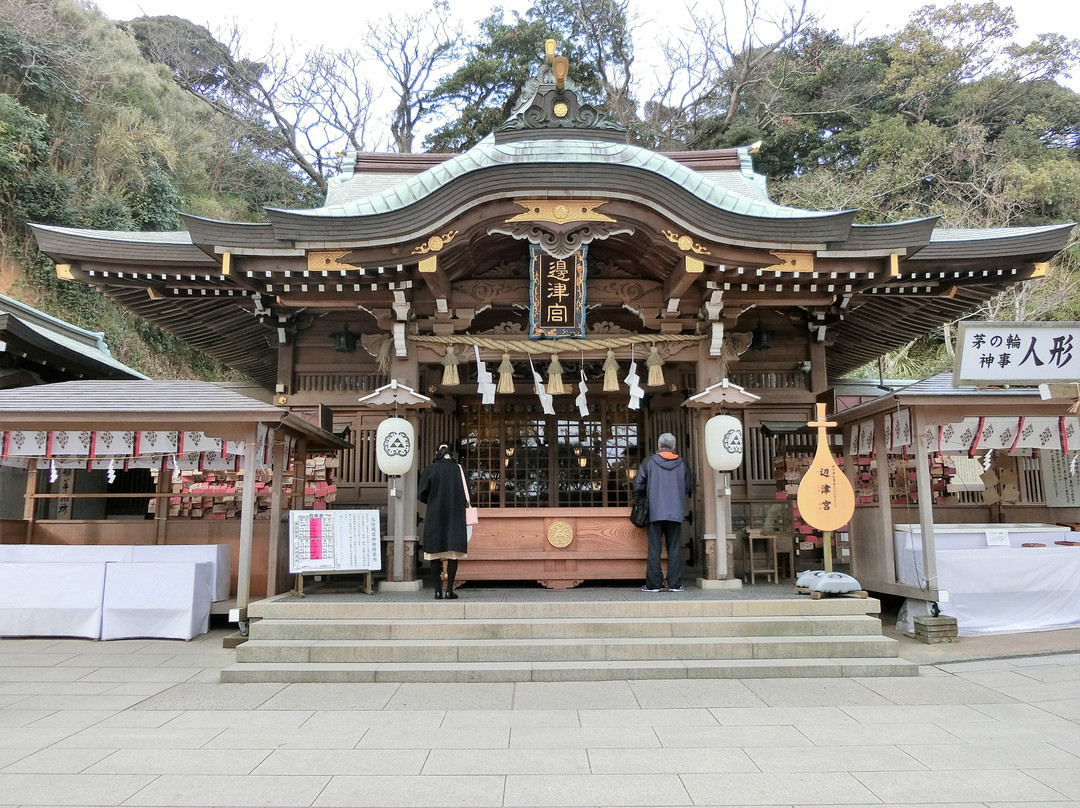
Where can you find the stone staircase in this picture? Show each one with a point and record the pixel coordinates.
(478, 640)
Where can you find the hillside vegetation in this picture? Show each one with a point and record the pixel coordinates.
(119, 125)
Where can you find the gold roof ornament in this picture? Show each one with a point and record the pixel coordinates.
(561, 69)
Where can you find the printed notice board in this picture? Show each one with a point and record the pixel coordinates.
(334, 541)
(1062, 487)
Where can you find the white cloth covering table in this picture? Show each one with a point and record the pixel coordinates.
(156, 599)
(65, 552)
(216, 554)
(1001, 588)
(51, 599)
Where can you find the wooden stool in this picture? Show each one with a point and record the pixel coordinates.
(765, 545)
(784, 551)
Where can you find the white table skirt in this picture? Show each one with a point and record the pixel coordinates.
(51, 599)
(1003, 589)
(166, 599)
(216, 554)
(65, 552)
(907, 542)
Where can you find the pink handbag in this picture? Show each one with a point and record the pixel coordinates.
(472, 515)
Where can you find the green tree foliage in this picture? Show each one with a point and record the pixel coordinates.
(955, 120)
(485, 89)
(24, 140)
(93, 135)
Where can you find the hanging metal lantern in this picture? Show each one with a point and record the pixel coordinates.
(723, 442)
(395, 446)
(761, 338)
(344, 340)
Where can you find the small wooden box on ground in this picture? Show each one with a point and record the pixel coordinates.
(935, 629)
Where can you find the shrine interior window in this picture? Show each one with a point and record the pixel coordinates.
(515, 456)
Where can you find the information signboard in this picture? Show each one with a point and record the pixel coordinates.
(1061, 486)
(1017, 353)
(334, 541)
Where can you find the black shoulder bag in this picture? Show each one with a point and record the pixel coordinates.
(639, 510)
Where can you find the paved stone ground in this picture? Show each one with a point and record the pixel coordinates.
(146, 723)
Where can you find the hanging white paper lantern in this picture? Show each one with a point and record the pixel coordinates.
(395, 446)
(723, 442)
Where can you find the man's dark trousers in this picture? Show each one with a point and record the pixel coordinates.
(661, 533)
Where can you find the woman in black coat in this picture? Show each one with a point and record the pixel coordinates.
(442, 489)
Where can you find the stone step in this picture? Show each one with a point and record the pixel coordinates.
(565, 650)
(512, 636)
(564, 628)
(664, 605)
(291, 672)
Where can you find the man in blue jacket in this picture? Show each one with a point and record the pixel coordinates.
(665, 478)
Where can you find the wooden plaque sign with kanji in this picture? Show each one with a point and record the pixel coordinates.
(557, 295)
(826, 498)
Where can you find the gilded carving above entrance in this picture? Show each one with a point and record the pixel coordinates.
(559, 211)
(684, 242)
(435, 243)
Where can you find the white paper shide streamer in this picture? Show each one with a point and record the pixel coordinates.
(485, 383)
(581, 401)
(637, 392)
(541, 392)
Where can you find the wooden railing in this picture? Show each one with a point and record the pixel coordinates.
(338, 382)
(772, 380)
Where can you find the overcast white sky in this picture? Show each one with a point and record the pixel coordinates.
(337, 25)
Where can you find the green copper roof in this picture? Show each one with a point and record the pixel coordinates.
(744, 196)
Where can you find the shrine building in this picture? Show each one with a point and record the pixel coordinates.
(627, 281)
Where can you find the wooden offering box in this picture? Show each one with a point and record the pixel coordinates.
(557, 547)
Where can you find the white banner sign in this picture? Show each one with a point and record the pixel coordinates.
(334, 541)
(1017, 353)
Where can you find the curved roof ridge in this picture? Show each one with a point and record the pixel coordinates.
(942, 234)
(146, 236)
(489, 154)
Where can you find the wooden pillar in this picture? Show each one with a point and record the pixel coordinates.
(401, 504)
(713, 537)
(818, 370)
(161, 504)
(286, 356)
(29, 504)
(926, 502)
(300, 453)
(247, 519)
(884, 494)
(409, 484)
(715, 484)
(277, 463)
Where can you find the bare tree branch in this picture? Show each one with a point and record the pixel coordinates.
(414, 50)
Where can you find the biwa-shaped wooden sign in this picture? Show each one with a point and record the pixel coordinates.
(826, 498)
